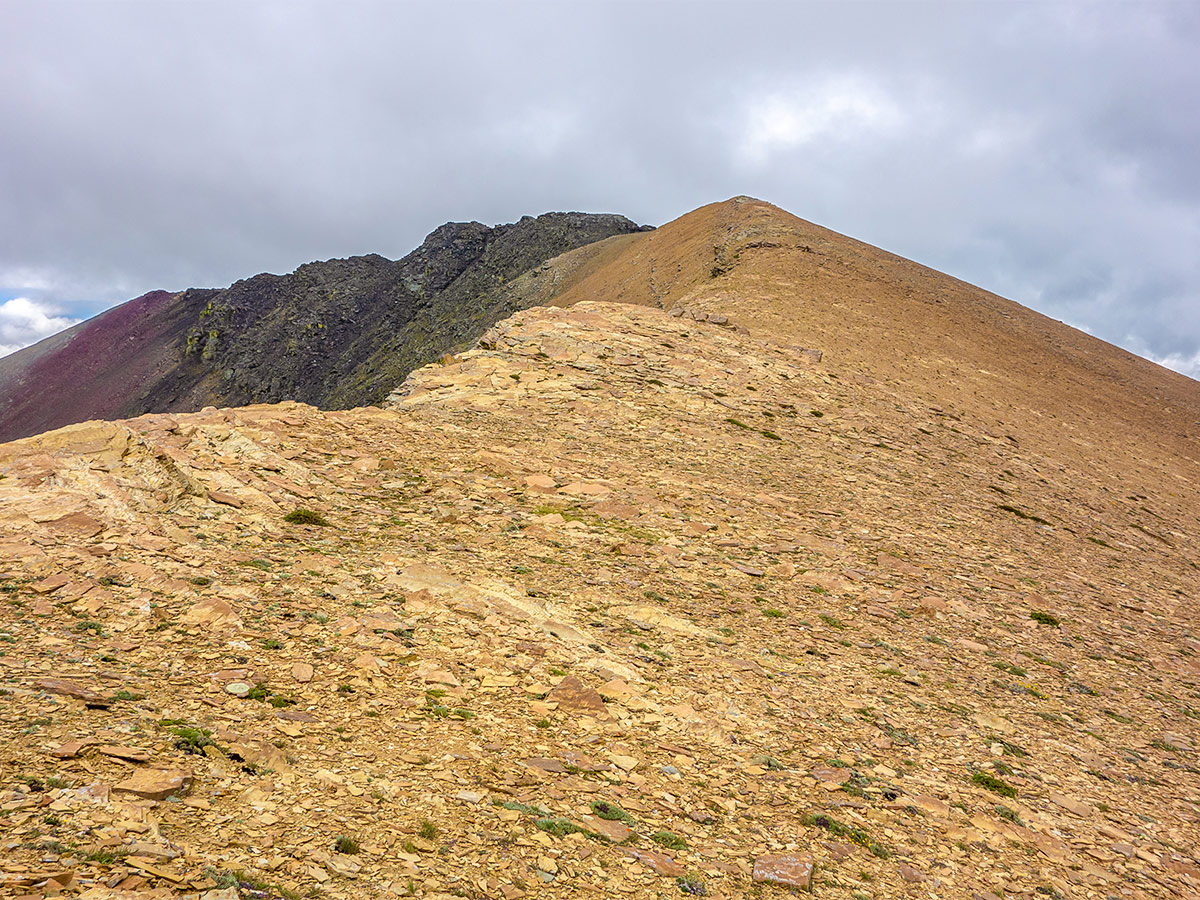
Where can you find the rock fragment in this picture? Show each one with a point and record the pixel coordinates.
(155, 784)
(791, 870)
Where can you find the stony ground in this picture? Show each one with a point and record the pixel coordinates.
(620, 603)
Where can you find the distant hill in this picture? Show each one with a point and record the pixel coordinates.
(334, 334)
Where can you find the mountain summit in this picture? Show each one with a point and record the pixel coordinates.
(335, 334)
(755, 560)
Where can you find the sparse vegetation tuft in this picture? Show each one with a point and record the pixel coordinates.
(305, 517)
(669, 840)
(994, 784)
(611, 811)
(852, 833)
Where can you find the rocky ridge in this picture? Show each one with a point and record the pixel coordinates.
(335, 334)
(617, 601)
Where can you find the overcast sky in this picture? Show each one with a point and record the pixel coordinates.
(1048, 152)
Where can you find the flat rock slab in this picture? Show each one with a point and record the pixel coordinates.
(71, 749)
(573, 695)
(72, 689)
(341, 864)
(659, 862)
(131, 754)
(155, 784)
(609, 828)
(210, 611)
(79, 523)
(788, 869)
(546, 765)
(51, 584)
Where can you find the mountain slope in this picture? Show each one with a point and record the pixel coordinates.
(621, 597)
(335, 334)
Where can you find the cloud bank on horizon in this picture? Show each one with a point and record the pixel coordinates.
(1046, 152)
(24, 321)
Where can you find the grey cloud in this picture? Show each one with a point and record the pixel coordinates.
(1046, 152)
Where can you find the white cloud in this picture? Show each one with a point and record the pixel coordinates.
(840, 108)
(24, 322)
(1187, 363)
(1179, 362)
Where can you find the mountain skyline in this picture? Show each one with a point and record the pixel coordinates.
(752, 558)
(335, 334)
(1043, 152)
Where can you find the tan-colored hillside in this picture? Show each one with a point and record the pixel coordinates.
(627, 603)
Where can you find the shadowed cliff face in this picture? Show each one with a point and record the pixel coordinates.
(334, 334)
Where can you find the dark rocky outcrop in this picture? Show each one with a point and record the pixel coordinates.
(335, 334)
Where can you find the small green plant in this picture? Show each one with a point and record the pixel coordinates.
(106, 856)
(128, 696)
(1008, 748)
(994, 784)
(247, 885)
(852, 833)
(305, 517)
(691, 883)
(831, 621)
(260, 691)
(1010, 668)
(1044, 618)
(518, 807)
(542, 723)
(611, 811)
(1010, 814)
(768, 762)
(557, 827)
(191, 739)
(669, 840)
(272, 644)
(346, 844)
(773, 613)
(428, 830)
